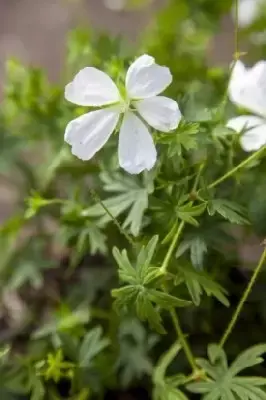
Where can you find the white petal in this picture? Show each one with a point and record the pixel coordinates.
(160, 112)
(247, 11)
(247, 87)
(136, 150)
(87, 134)
(145, 78)
(238, 72)
(92, 87)
(254, 128)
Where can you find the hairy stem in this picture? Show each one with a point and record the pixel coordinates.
(243, 299)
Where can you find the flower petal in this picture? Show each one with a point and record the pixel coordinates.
(247, 87)
(146, 79)
(254, 128)
(136, 150)
(248, 10)
(92, 87)
(160, 112)
(87, 134)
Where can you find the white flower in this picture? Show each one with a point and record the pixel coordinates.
(247, 89)
(248, 11)
(144, 81)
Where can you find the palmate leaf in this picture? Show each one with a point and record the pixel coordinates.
(92, 344)
(198, 282)
(229, 210)
(223, 382)
(142, 293)
(187, 212)
(129, 195)
(135, 343)
(184, 139)
(197, 246)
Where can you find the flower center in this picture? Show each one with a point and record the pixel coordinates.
(125, 105)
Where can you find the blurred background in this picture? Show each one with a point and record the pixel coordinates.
(35, 30)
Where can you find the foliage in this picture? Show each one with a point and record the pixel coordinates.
(100, 270)
(224, 382)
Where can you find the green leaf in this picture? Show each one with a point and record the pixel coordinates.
(165, 300)
(164, 362)
(142, 292)
(197, 247)
(248, 358)
(146, 312)
(145, 257)
(132, 198)
(229, 210)
(38, 389)
(90, 239)
(65, 322)
(187, 213)
(223, 382)
(126, 272)
(183, 139)
(125, 297)
(92, 344)
(199, 281)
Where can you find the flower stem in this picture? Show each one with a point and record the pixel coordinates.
(232, 171)
(236, 55)
(243, 299)
(183, 341)
(173, 313)
(172, 247)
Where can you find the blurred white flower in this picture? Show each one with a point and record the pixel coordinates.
(144, 81)
(248, 11)
(247, 89)
(115, 5)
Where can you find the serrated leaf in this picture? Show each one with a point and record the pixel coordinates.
(132, 197)
(248, 358)
(229, 210)
(145, 257)
(223, 383)
(197, 247)
(126, 272)
(146, 311)
(187, 213)
(92, 344)
(166, 300)
(199, 281)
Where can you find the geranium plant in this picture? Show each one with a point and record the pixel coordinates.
(141, 183)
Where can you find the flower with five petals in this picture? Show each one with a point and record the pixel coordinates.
(141, 106)
(247, 89)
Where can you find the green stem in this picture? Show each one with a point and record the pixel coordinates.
(164, 266)
(232, 171)
(243, 299)
(172, 247)
(183, 341)
(236, 56)
(173, 314)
